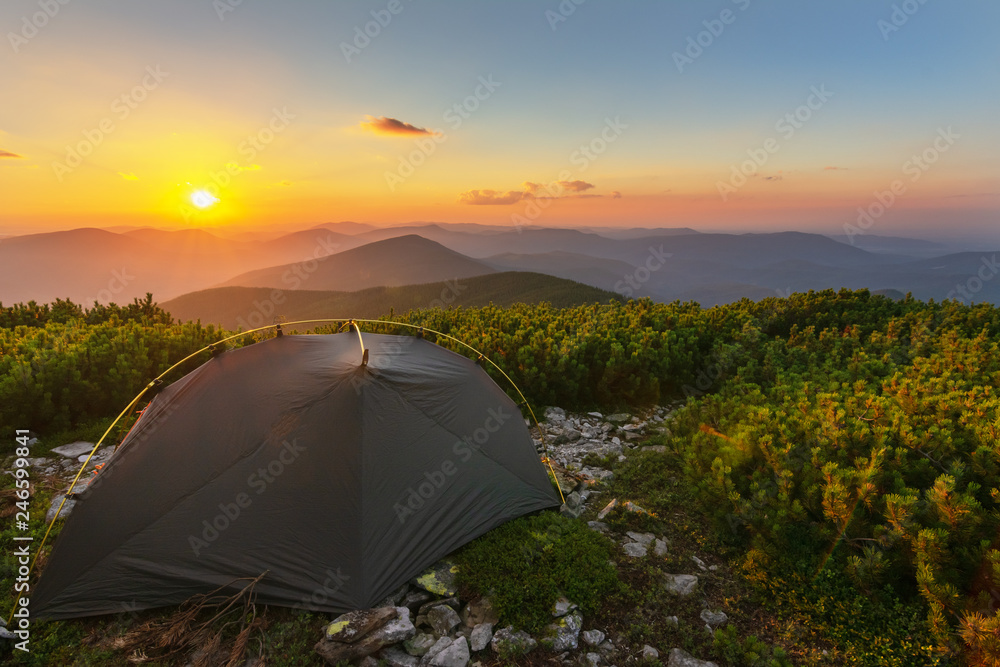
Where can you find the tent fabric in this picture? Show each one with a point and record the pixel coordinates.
(342, 480)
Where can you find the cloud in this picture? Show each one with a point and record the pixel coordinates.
(617, 195)
(491, 197)
(532, 190)
(834, 168)
(129, 176)
(394, 127)
(4, 153)
(774, 178)
(575, 186)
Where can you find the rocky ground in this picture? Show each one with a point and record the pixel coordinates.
(425, 623)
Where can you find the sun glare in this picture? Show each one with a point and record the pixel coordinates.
(203, 198)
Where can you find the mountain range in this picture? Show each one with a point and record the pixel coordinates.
(664, 264)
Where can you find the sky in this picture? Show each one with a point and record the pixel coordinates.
(722, 115)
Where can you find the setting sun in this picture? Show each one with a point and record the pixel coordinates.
(203, 199)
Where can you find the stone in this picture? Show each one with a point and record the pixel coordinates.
(564, 634)
(574, 500)
(443, 618)
(352, 626)
(397, 657)
(645, 539)
(680, 584)
(6, 634)
(74, 449)
(649, 653)
(440, 645)
(439, 579)
(714, 619)
(396, 630)
(699, 562)
(599, 526)
(681, 658)
(452, 602)
(66, 510)
(607, 509)
(479, 611)
(506, 642)
(660, 548)
(414, 600)
(455, 654)
(673, 620)
(395, 598)
(555, 414)
(619, 418)
(592, 637)
(562, 607)
(420, 644)
(634, 549)
(591, 660)
(572, 512)
(368, 662)
(597, 415)
(482, 634)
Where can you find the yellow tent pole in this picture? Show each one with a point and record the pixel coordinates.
(348, 322)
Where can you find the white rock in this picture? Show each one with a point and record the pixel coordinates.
(455, 655)
(439, 646)
(645, 539)
(396, 657)
(680, 584)
(592, 660)
(660, 548)
(715, 619)
(681, 658)
(634, 549)
(592, 637)
(564, 634)
(699, 562)
(482, 634)
(74, 449)
(649, 653)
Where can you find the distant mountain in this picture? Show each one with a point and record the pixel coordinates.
(249, 307)
(595, 271)
(403, 260)
(895, 245)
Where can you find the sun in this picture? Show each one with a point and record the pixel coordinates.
(203, 199)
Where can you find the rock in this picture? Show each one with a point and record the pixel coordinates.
(680, 584)
(66, 510)
(714, 619)
(482, 634)
(660, 548)
(6, 634)
(555, 414)
(591, 660)
(599, 526)
(699, 562)
(681, 658)
(634, 549)
(569, 434)
(478, 612)
(607, 509)
(419, 645)
(396, 630)
(443, 618)
(439, 646)
(414, 600)
(74, 449)
(592, 637)
(452, 602)
(352, 626)
(564, 634)
(597, 415)
(506, 642)
(439, 579)
(571, 512)
(574, 500)
(368, 662)
(616, 441)
(396, 597)
(397, 657)
(673, 620)
(619, 418)
(562, 607)
(649, 653)
(455, 655)
(645, 539)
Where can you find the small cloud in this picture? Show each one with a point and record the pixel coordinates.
(285, 183)
(575, 186)
(774, 178)
(617, 195)
(394, 127)
(232, 165)
(4, 154)
(129, 176)
(491, 197)
(834, 168)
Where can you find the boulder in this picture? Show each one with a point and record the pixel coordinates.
(439, 579)
(680, 584)
(420, 644)
(352, 626)
(619, 418)
(442, 618)
(645, 539)
(397, 657)
(394, 631)
(681, 658)
(440, 645)
(649, 653)
(634, 549)
(592, 637)
(455, 654)
(482, 634)
(660, 548)
(714, 619)
(452, 602)
(564, 634)
(506, 642)
(562, 607)
(479, 611)
(74, 449)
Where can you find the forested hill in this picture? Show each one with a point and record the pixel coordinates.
(847, 445)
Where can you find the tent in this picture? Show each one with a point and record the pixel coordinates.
(339, 473)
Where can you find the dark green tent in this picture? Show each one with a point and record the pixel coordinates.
(342, 479)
